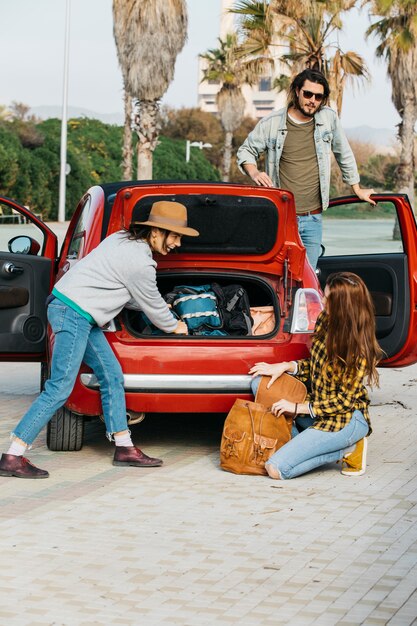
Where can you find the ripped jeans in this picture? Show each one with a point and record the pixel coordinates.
(313, 448)
(76, 340)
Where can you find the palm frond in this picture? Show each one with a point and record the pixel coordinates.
(281, 83)
(354, 65)
(254, 10)
(149, 36)
(304, 26)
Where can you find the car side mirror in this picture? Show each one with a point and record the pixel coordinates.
(22, 244)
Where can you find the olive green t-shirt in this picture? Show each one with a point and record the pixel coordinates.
(298, 167)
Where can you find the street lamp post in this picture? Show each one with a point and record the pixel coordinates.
(63, 165)
(194, 144)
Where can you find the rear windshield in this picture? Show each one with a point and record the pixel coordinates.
(227, 224)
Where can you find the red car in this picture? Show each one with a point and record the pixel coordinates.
(248, 236)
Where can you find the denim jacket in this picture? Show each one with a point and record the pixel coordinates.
(269, 135)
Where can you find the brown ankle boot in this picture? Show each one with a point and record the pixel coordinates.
(19, 466)
(133, 456)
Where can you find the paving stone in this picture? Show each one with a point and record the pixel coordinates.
(191, 545)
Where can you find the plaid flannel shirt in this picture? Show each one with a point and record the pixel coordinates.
(333, 397)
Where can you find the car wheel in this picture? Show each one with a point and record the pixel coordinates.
(65, 431)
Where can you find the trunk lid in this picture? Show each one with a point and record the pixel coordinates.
(241, 227)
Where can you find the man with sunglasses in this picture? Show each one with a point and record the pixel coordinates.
(298, 141)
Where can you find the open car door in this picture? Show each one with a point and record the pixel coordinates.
(386, 262)
(28, 252)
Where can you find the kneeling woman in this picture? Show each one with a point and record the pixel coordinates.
(119, 272)
(344, 353)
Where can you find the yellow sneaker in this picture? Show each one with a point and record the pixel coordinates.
(354, 463)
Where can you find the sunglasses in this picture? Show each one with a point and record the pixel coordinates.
(310, 94)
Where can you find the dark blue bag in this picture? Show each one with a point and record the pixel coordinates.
(197, 307)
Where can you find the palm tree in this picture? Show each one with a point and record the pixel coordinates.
(305, 28)
(397, 32)
(127, 138)
(224, 65)
(149, 35)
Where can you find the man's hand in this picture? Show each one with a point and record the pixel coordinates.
(364, 194)
(260, 178)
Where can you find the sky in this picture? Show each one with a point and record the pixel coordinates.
(32, 53)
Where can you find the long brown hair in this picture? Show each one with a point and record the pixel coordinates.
(314, 76)
(136, 232)
(350, 331)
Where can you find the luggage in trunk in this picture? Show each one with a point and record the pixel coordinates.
(257, 293)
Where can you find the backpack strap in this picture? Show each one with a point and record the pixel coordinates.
(248, 322)
(230, 305)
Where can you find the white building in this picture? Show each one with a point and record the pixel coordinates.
(260, 99)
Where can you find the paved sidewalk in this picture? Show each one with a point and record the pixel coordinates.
(190, 545)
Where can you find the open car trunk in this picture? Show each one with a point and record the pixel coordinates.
(259, 294)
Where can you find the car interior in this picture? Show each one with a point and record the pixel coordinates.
(386, 276)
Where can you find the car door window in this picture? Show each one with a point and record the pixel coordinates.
(13, 224)
(77, 240)
(357, 229)
(368, 246)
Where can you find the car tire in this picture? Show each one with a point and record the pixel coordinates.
(65, 431)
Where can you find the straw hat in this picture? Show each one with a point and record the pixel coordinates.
(171, 216)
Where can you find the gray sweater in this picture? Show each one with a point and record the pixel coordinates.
(117, 273)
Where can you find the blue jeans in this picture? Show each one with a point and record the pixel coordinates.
(76, 340)
(310, 228)
(313, 448)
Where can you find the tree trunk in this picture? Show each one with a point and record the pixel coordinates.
(145, 162)
(127, 139)
(227, 156)
(404, 175)
(231, 107)
(340, 92)
(147, 127)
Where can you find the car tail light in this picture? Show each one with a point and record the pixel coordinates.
(307, 306)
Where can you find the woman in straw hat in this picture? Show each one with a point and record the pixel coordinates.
(119, 272)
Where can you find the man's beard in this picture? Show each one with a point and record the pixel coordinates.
(306, 112)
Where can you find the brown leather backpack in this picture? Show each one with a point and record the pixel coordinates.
(251, 433)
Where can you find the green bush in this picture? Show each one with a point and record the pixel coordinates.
(30, 161)
(170, 164)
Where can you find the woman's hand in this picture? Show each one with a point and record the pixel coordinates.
(181, 329)
(274, 370)
(283, 406)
